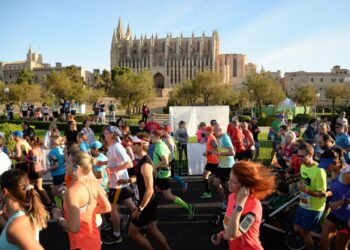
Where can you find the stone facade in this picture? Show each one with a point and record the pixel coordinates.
(292, 80)
(34, 62)
(173, 60)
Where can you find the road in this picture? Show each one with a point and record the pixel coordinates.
(181, 233)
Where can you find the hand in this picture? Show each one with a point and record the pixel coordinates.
(135, 214)
(100, 163)
(216, 239)
(242, 196)
(56, 213)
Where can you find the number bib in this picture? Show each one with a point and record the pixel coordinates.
(304, 200)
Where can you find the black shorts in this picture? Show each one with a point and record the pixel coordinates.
(118, 195)
(339, 223)
(55, 114)
(33, 176)
(149, 214)
(163, 183)
(58, 179)
(211, 167)
(61, 111)
(223, 174)
(240, 155)
(24, 113)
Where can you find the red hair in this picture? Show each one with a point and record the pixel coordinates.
(255, 176)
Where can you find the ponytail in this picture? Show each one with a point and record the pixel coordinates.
(35, 208)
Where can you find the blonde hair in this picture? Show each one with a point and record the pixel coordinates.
(84, 161)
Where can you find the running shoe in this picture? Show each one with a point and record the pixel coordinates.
(185, 188)
(191, 211)
(206, 195)
(112, 239)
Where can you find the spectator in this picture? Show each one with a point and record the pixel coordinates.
(55, 110)
(102, 113)
(182, 137)
(112, 107)
(254, 128)
(342, 120)
(24, 110)
(120, 123)
(145, 112)
(28, 132)
(88, 131)
(9, 111)
(275, 126)
(46, 111)
(343, 140)
(142, 127)
(201, 133)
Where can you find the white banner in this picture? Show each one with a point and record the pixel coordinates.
(196, 160)
(193, 115)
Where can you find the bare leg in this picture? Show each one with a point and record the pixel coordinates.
(309, 242)
(158, 236)
(134, 233)
(342, 241)
(220, 188)
(328, 232)
(42, 191)
(115, 216)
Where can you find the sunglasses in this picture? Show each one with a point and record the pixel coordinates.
(136, 143)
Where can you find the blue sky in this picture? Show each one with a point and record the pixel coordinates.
(311, 35)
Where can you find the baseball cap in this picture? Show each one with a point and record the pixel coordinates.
(96, 145)
(114, 130)
(136, 139)
(325, 162)
(280, 116)
(17, 133)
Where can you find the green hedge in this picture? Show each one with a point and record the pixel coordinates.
(266, 121)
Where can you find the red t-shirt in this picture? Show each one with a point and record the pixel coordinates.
(152, 126)
(212, 159)
(249, 240)
(237, 137)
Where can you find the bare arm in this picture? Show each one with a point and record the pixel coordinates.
(121, 167)
(103, 205)
(22, 234)
(164, 162)
(72, 203)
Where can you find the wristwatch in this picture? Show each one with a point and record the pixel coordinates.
(239, 208)
(139, 208)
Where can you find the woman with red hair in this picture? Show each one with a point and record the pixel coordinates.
(249, 183)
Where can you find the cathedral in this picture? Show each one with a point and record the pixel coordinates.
(173, 60)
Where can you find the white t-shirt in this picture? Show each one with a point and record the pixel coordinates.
(117, 156)
(5, 162)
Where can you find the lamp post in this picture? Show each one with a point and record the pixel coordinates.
(251, 103)
(317, 96)
(6, 93)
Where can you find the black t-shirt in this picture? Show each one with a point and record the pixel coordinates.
(140, 181)
(71, 135)
(255, 134)
(29, 132)
(102, 107)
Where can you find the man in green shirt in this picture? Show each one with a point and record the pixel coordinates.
(312, 187)
(161, 158)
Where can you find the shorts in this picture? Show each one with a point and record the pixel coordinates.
(163, 183)
(148, 214)
(211, 167)
(58, 179)
(340, 224)
(61, 111)
(55, 114)
(223, 174)
(308, 220)
(117, 195)
(24, 113)
(33, 176)
(240, 156)
(22, 166)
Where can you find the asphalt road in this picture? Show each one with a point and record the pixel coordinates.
(181, 233)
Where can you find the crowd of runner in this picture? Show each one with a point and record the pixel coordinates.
(91, 178)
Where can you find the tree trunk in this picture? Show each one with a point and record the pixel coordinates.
(333, 106)
(304, 110)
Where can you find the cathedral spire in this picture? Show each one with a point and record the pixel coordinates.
(114, 38)
(203, 34)
(120, 33)
(128, 34)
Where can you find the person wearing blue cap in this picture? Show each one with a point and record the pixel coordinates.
(100, 171)
(21, 149)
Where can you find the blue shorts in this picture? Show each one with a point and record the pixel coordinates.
(308, 220)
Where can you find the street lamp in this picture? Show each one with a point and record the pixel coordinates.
(317, 96)
(6, 93)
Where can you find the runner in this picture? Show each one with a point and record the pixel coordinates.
(248, 141)
(88, 131)
(24, 222)
(145, 214)
(83, 200)
(152, 124)
(83, 144)
(161, 158)
(118, 163)
(226, 154)
(343, 140)
(254, 128)
(21, 149)
(237, 137)
(312, 189)
(212, 160)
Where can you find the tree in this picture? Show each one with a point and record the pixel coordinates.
(263, 89)
(133, 89)
(25, 76)
(106, 78)
(25, 92)
(224, 95)
(184, 94)
(337, 91)
(119, 71)
(207, 83)
(305, 95)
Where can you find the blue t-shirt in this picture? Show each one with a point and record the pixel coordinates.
(224, 144)
(104, 179)
(57, 153)
(343, 141)
(84, 146)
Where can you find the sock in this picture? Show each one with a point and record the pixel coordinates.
(179, 180)
(117, 234)
(178, 201)
(206, 186)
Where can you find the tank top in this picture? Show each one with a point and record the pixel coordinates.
(140, 180)
(88, 236)
(4, 244)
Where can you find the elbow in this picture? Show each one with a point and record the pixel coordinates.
(74, 228)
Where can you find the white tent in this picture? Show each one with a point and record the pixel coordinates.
(286, 104)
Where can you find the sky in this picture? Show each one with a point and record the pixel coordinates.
(290, 35)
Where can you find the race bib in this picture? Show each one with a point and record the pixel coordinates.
(304, 200)
(225, 221)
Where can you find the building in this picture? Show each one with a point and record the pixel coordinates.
(173, 60)
(292, 80)
(34, 62)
